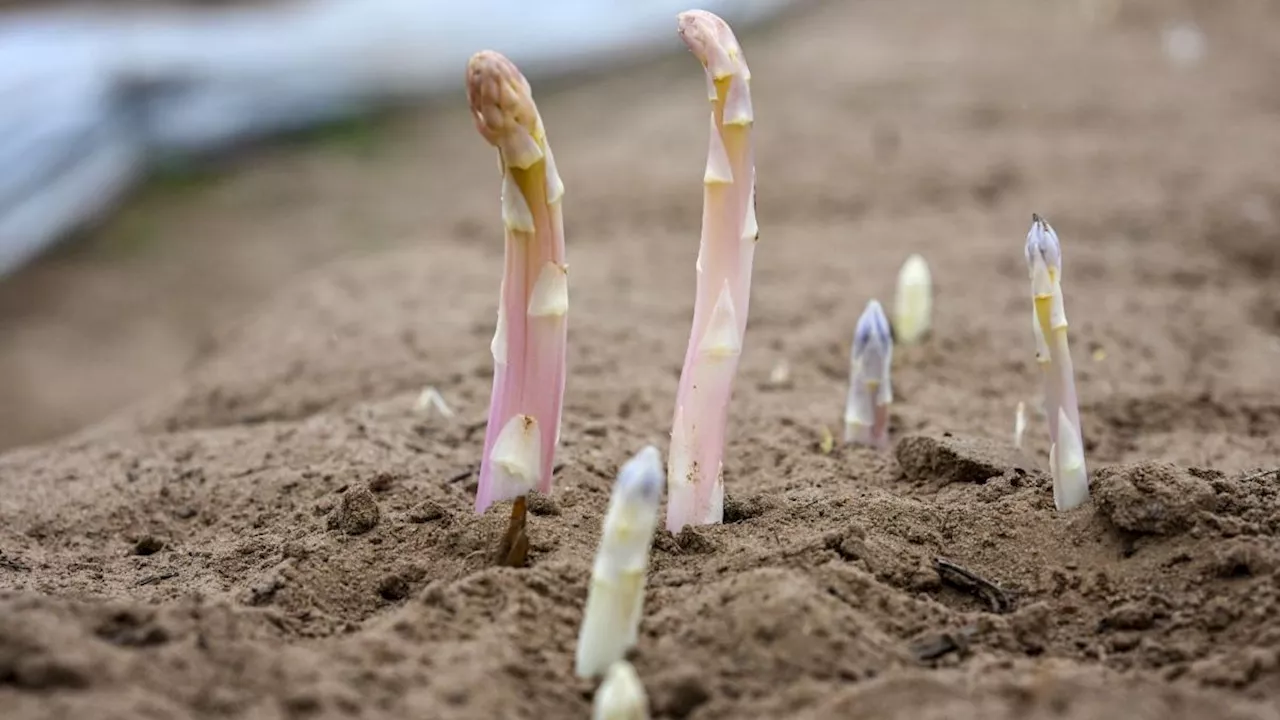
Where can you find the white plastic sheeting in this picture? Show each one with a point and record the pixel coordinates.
(89, 98)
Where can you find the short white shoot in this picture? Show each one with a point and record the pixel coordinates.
(431, 401)
(913, 301)
(621, 696)
(611, 620)
(1019, 424)
(1070, 478)
(866, 413)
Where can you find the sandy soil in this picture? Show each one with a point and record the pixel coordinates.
(271, 529)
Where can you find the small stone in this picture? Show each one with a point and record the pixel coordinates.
(693, 542)
(295, 550)
(739, 509)
(148, 545)
(542, 506)
(357, 512)
(393, 587)
(264, 589)
(428, 511)
(382, 482)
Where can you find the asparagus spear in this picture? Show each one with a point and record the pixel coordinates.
(621, 696)
(913, 301)
(866, 413)
(729, 233)
(1066, 453)
(611, 620)
(529, 343)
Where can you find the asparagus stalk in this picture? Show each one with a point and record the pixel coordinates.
(1019, 424)
(866, 412)
(621, 696)
(1053, 353)
(611, 620)
(529, 343)
(729, 233)
(913, 301)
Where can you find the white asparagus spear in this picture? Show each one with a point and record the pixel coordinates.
(1053, 353)
(621, 696)
(611, 620)
(866, 412)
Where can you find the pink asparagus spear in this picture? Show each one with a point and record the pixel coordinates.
(529, 342)
(729, 233)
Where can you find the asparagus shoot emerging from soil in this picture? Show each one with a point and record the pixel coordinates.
(621, 696)
(1053, 354)
(729, 233)
(611, 619)
(913, 302)
(866, 412)
(529, 342)
(1019, 424)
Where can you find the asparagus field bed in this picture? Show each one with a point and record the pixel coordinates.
(283, 534)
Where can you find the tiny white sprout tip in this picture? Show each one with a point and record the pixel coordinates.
(430, 400)
(621, 696)
(872, 329)
(642, 476)
(780, 375)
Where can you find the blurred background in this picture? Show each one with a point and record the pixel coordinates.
(165, 169)
(164, 166)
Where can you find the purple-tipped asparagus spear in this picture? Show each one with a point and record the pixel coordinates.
(695, 478)
(866, 412)
(529, 342)
(1053, 354)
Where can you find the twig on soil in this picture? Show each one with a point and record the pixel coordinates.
(964, 579)
(513, 550)
(153, 579)
(1260, 475)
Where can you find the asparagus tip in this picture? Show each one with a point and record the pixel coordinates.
(621, 696)
(1042, 243)
(502, 107)
(712, 41)
(913, 301)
